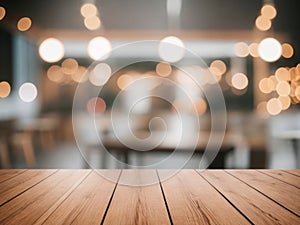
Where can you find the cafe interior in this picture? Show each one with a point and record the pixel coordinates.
(150, 84)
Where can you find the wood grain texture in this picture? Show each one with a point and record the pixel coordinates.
(191, 200)
(137, 204)
(257, 207)
(283, 176)
(32, 204)
(294, 172)
(286, 195)
(87, 203)
(17, 184)
(6, 174)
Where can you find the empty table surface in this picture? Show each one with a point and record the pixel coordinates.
(187, 197)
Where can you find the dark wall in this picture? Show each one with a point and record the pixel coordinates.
(6, 68)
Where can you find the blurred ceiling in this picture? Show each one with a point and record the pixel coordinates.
(151, 15)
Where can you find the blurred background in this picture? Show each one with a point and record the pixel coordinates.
(250, 49)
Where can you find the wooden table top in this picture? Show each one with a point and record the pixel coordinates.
(189, 197)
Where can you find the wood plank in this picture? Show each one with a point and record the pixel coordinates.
(191, 200)
(294, 172)
(6, 174)
(32, 204)
(283, 176)
(87, 203)
(18, 184)
(257, 207)
(137, 204)
(286, 195)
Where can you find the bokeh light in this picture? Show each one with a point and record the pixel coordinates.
(4, 89)
(262, 23)
(241, 49)
(2, 12)
(282, 74)
(171, 49)
(79, 76)
(100, 74)
(262, 108)
(28, 92)
(283, 88)
(88, 10)
(124, 80)
(24, 24)
(55, 74)
(96, 105)
(69, 66)
(297, 93)
(264, 86)
(51, 50)
(163, 69)
(253, 49)
(287, 50)
(218, 67)
(268, 11)
(99, 48)
(285, 102)
(239, 81)
(269, 49)
(92, 23)
(201, 106)
(274, 106)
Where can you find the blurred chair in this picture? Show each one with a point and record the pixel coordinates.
(10, 139)
(6, 133)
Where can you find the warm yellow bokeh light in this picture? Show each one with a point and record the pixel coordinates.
(269, 49)
(124, 80)
(274, 106)
(239, 81)
(297, 92)
(88, 10)
(217, 67)
(69, 66)
(267, 85)
(51, 50)
(55, 74)
(253, 50)
(283, 88)
(200, 106)
(264, 86)
(4, 89)
(241, 49)
(285, 102)
(79, 76)
(282, 74)
(268, 11)
(2, 12)
(293, 73)
(287, 50)
(163, 69)
(171, 49)
(24, 24)
(92, 23)
(100, 74)
(262, 108)
(263, 23)
(99, 48)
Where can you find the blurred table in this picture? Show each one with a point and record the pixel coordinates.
(188, 197)
(114, 146)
